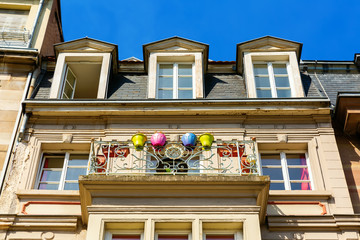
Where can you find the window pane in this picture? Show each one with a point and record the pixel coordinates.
(220, 237)
(298, 174)
(263, 93)
(277, 186)
(78, 160)
(185, 94)
(283, 93)
(70, 78)
(165, 94)
(73, 173)
(166, 69)
(296, 159)
(274, 173)
(301, 186)
(50, 175)
(260, 69)
(262, 82)
(185, 69)
(270, 159)
(67, 91)
(279, 68)
(125, 237)
(71, 186)
(185, 82)
(47, 186)
(171, 237)
(165, 82)
(282, 82)
(54, 162)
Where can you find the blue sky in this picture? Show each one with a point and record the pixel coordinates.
(329, 30)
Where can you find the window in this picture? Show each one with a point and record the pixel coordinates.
(69, 85)
(61, 171)
(175, 81)
(126, 237)
(272, 80)
(287, 171)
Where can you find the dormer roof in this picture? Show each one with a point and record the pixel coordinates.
(265, 44)
(88, 45)
(175, 44)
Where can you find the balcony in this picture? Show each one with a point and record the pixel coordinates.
(172, 157)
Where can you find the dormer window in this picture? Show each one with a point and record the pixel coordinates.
(175, 81)
(270, 68)
(82, 69)
(176, 68)
(272, 80)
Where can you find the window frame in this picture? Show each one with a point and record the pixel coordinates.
(175, 79)
(109, 233)
(173, 232)
(271, 75)
(237, 234)
(66, 72)
(65, 166)
(284, 168)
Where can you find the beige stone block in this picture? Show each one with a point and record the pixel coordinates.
(6, 126)
(15, 95)
(327, 139)
(2, 159)
(12, 85)
(343, 202)
(3, 147)
(5, 76)
(337, 182)
(333, 164)
(321, 235)
(5, 138)
(9, 105)
(8, 115)
(343, 210)
(294, 209)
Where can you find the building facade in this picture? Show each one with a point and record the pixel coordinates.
(178, 147)
(28, 30)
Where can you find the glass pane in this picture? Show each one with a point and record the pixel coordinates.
(125, 237)
(282, 82)
(279, 68)
(263, 93)
(262, 82)
(73, 173)
(277, 186)
(70, 78)
(274, 173)
(270, 159)
(56, 162)
(48, 186)
(283, 93)
(296, 159)
(165, 94)
(301, 186)
(260, 69)
(166, 69)
(171, 237)
(185, 69)
(299, 174)
(71, 186)
(220, 237)
(165, 82)
(50, 175)
(78, 160)
(185, 82)
(185, 94)
(67, 90)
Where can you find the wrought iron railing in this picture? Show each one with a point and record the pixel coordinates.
(223, 157)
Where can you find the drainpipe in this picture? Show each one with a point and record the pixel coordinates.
(33, 80)
(14, 134)
(35, 22)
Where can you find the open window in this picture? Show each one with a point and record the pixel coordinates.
(83, 69)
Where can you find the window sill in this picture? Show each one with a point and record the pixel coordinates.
(299, 195)
(48, 194)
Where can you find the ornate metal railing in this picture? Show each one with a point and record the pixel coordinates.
(223, 157)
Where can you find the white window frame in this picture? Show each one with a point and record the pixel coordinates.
(172, 232)
(175, 78)
(284, 167)
(64, 168)
(237, 234)
(67, 69)
(271, 74)
(109, 234)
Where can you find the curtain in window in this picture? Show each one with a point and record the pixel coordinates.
(304, 175)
